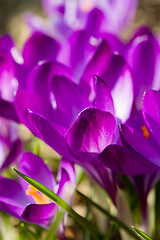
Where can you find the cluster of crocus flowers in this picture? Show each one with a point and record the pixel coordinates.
(83, 97)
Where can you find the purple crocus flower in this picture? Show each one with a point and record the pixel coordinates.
(24, 201)
(140, 149)
(10, 144)
(49, 116)
(64, 16)
(147, 143)
(142, 53)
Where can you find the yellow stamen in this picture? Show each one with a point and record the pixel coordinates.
(38, 197)
(145, 132)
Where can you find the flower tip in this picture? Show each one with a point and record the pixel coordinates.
(13, 168)
(30, 111)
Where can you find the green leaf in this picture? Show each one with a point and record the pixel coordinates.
(55, 198)
(51, 235)
(112, 218)
(157, 212)
(110, 232)
(142, 234)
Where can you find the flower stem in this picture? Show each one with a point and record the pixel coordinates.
(112, 218)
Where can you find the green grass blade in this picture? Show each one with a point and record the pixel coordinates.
(142, 234)
(110, 232)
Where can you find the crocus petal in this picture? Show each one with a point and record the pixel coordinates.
(7, 110)
(144, 183)
(66, 178)
(39, 213)
(118, 78)
(96, 66)
(39, 47)
(92, 131)
(118, 14)
(51, 133)
(6, 43)
(151, 112)
(75, 52)
(36, 23)
(8, 84)
(12, 198)
(120, 161)
(25, 101)
(94, 22)
(142, 56)
(136, 143)
(115, 43)
(122, 95)
(34, 167)
(13, 154)
(39, 79)
(68, 99)
(103, 98)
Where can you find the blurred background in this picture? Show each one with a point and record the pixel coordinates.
(12, 12)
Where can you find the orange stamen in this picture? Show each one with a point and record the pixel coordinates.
(38, 197)
(145, 132)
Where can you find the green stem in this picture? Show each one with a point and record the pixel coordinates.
(51, 235)
(55, 198)
(112, 218)
(110, 232)
(157, 212)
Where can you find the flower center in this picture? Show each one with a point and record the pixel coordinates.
(145, 132)
(38, 197)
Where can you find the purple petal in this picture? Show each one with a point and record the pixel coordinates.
(137, 143)
(118, 14)
(8, 84)
(96, 66)
(39, 213)
(14, 152)
(94, 22)
(118, 78)
(151, 112)
(7, 110)
(51, 133)
(122, 95)
(12, 197)
(25, 101)
(103, 98)
(144, 183)
(142, 56)
(34, 167)
(115, 43)
(69, 100)
(120, 161)
(74, 56)
(40, 77)
(39, 47)
(92, 131)
(66, 178)
(6, 43)
(36, 23)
